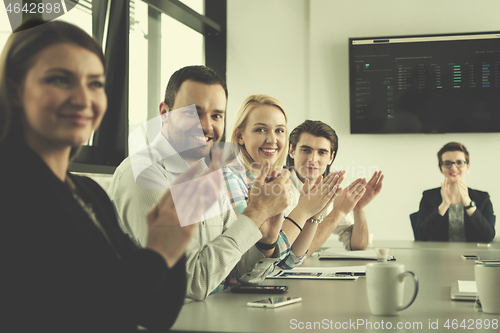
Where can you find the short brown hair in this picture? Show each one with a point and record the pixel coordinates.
(316, 128)
(201, 74)
(452, 146)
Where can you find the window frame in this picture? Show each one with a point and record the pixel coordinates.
(110, 141)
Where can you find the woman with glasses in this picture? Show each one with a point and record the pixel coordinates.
(454, 212)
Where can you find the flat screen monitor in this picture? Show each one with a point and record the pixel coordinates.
(425, 84)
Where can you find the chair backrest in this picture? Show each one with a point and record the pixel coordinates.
(414, 221)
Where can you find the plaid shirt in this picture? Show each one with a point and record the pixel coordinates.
(239, 183)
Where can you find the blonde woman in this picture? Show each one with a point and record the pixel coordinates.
(260, 132)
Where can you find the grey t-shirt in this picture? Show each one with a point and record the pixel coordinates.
(456, 230)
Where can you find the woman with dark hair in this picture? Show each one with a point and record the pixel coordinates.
(66, 265)
(454, 212)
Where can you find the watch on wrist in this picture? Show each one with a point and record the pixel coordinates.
(318, 221)
(472, 204)
(265, 246)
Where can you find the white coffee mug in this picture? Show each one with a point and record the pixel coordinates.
(385, 288)
(488, 287)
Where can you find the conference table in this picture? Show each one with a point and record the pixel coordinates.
(342, 305)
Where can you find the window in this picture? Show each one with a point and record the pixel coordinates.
(5, 28)
(196, 5)
(183, 48)
(151, 66)
(158, 37)
(80, 15)
(138, 66)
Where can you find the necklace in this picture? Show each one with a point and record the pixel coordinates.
(88, 209)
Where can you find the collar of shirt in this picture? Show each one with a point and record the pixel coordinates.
(249, 180)
(295, 180)
(236, 169)
(169, 158)
(161, 156)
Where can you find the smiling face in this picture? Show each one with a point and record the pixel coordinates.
(264, 135)
(311, 156)
(62, 98)
(190, 131)
(454, 173)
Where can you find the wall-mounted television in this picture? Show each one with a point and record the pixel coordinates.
(425, 84)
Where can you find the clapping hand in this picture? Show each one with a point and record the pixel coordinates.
(350, 196)
(267, 199)
(313, 199)
(446, 191)
(192, 198)
(271, 228)
(373, 188)
(464, 193)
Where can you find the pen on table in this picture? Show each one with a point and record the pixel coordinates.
(349, 273)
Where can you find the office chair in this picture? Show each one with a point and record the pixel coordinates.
(414, 221)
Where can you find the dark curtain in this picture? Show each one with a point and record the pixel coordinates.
(99, 8)
(110, 140)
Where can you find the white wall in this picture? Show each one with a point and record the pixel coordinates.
(297, 51)
(267, 53)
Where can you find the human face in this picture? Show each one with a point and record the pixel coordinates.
(454, 173)
(62, 98)
(189, 132)
(311, 156)
(264, 135)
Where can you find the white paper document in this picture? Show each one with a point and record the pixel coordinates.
(467, 286)
(330, 273)
(463, 290)
(333, 253)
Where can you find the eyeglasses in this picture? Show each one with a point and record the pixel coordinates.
(448, 164)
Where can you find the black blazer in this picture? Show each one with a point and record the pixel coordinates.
(59, 273)
(480, 227)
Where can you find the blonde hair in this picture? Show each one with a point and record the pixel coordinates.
(240, 122)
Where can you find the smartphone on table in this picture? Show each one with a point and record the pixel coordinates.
(488, 261)
(246, 289)
(470, 257)
(274, 302)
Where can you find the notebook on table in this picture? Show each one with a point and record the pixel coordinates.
(351, 255)
(463, 290)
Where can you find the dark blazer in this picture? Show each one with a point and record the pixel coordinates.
(480, 227)
(59, 273)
